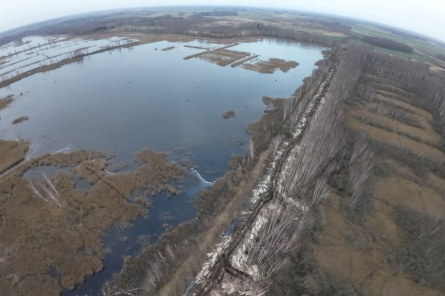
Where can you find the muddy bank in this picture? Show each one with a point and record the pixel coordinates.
(52, 232)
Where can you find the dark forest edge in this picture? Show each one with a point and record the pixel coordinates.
(388, 44)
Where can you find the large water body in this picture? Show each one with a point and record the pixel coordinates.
(126, 100)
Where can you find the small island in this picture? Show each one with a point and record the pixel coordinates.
(229, 114)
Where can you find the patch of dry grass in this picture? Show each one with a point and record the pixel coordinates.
(427, 134)
(4, 102)
(220, 58)
(347, 251)
(396, 191)
(270, 66)
(396, 139)
(229, 114)
(427, 115)
(20, 119)
(11, 153)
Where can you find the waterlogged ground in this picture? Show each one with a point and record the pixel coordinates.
(126, 100)
(33, 52)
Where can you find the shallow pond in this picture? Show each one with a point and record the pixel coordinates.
(126, 100)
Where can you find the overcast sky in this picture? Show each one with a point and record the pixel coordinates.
(423, 16)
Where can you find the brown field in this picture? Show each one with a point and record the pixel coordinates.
(362, 254)
(426, 133)
(397, 140)
(417, 138)
(359, 255)
(405, 105)
(377, 254)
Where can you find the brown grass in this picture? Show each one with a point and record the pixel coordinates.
(220, 58)
(229, 114)
(404, 105)
(20, 119)
(243, 61)
(346, 251)
(270, 66)
(11, 153)
(37, 236)
(168, 48)
(427, 134)
(396, 140)
(436, 182)
(4, 102)
(396, 191)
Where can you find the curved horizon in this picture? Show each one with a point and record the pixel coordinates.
(420, 17)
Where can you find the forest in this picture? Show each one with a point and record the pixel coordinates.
(388, 44)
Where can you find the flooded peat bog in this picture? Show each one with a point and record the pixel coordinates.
(125, 100)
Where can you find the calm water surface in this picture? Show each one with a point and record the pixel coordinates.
(127, 100)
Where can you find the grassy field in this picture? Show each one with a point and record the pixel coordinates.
(425, 51)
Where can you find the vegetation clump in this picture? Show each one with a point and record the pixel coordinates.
(20, 119)
(270, 66)
(168, 48)
(5, 101)
(229, 114)
(11, 153)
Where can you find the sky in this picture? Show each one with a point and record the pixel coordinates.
(421, 16)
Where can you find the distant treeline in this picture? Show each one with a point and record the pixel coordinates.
(261, 30)
(388, 44)
(216, 13)
(198, 24)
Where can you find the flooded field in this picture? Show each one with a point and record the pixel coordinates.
(126, 100)
(33, 52)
